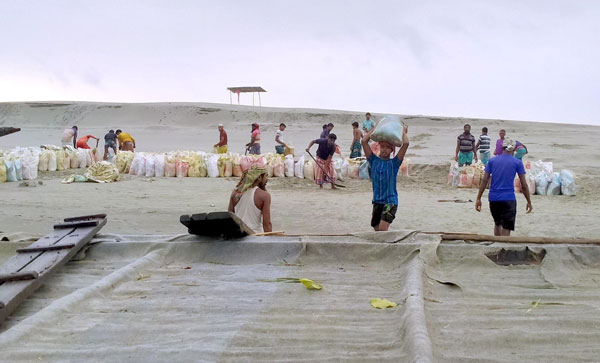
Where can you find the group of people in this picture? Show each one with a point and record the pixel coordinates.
(466, 147)
(125, 141)
(251, 202)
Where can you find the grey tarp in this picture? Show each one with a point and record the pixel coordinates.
(176, 298)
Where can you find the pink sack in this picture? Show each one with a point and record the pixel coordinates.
(245, 163)
(182, 169)
(260, 162)
(518, 185)
(279, 170)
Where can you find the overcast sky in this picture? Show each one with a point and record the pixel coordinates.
(523, 60)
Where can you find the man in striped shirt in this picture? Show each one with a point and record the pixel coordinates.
(384, 171)
(483, 145)
(465, 147)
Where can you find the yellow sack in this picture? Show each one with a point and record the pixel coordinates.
(382, 303)
(102, 172)
(194, 170)
(2, 171)
(124, 159)
(60, 160)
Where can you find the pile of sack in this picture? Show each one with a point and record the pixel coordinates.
(24, 163)
(539, 175)
(465, 176)
(19, 164)
(549, 182)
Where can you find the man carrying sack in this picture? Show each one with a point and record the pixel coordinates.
(390, 132)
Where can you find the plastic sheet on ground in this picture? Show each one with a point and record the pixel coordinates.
(154, 298)
(100, 172)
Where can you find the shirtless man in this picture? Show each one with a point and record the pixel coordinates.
(356, 146)
(70, 137)
(251, 202)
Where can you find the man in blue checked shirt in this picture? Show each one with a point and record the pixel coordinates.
(384, 171)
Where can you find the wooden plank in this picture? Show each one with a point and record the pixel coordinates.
(76, 224)
(85, 218)
(17, 276)
(518, 239)
(13, 293)
(44, 249)
(21, 260)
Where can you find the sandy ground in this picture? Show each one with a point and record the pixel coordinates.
(138, 205)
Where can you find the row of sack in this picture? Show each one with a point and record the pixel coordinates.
(541, 179)
(200, 164)
(24, 163)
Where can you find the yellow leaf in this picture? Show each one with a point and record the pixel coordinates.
(382, 303)
(310, 284)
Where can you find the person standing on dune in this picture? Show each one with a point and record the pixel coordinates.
(465, 147)
(498, 150)
(281, 145)
(356, 146)
(253, 147)
(221, 146)
(368, 123)
(483, 145)
(326, 130)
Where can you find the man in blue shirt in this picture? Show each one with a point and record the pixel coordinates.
(503, 202)
(368, 124)
(384, 171)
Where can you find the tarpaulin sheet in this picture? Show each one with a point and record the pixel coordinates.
(176, 298)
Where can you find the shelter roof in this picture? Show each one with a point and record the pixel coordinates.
(246, 89)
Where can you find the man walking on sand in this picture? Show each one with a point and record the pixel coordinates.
(254, 145)
(324, 170)
(498, 150)
(356, 146)
(110, 141)
(221, 146)
(280, 147)
(384, 171)
(502, 199)
(251, 202)
(465, 147)
(483, 145)
(69, 137)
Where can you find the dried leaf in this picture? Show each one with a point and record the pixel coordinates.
(382, 303)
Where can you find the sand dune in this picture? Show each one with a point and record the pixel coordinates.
(152, 205)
